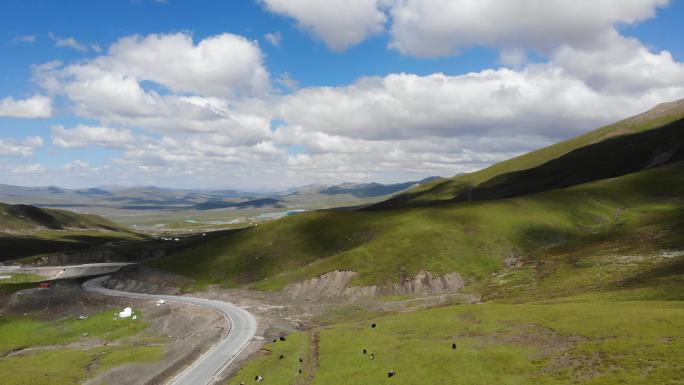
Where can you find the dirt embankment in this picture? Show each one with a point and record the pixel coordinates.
(334, 285)
(143, 279)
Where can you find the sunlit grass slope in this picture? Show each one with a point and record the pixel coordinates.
(638, 212)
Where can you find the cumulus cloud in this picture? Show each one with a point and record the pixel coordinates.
(33, 168)
(37, 106)
(437, 28)
(84, 136)
(227, 124)
(115, 88)
(338, 23)
(221, 65)
(14, 147)
(78, 166)
(274, 38)
(576, 90)
(68, 42)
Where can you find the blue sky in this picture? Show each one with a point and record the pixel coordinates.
(382, 90)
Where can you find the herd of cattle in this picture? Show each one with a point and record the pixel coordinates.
(390, 374)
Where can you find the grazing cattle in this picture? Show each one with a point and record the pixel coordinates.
(372, 356)
(300, 371)
(373, 326)
(282, 356)
(453, 346)
(282, 338)
(274, 341)
(391, 373)
(364, 351)
(258, 378)
(300, 360)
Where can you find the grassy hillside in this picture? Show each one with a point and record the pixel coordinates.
(28, 230)
(70, 351)
(495, 344)
(636, 212)
(457, 188)
(22, 218)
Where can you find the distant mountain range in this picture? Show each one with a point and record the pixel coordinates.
(156, 198)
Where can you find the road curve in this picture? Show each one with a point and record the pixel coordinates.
(210, 364)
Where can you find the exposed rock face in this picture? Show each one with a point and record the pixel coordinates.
(334, 285)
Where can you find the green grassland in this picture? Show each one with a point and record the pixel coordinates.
(557, 343)
(280, 371)
(640, 212)
(15, 246)
(35, 351)
(29, 231)
(18, 218)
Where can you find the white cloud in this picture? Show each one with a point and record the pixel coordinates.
(286, 81)
(274, 38)
(81, 168)
(33, 168)
(216, 126)
(338, 23)
(438, 28)
(14, 147)
(115, 88)
(68, 42)
(37, 106)
(575, 91)
(28, 39)
(222, 65)
(84, 136)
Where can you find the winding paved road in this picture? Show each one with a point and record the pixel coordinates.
(206, 368)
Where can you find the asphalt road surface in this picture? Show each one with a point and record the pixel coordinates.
(210, 364)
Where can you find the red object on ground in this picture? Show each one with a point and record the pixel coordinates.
(44, 285)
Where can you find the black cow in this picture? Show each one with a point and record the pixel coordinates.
(391, 373)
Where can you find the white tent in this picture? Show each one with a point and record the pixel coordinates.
(127, 312)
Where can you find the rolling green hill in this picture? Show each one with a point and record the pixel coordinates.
(564, 155)
(604, 192)
(636, 212)
(20, 218)
(28, 230)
